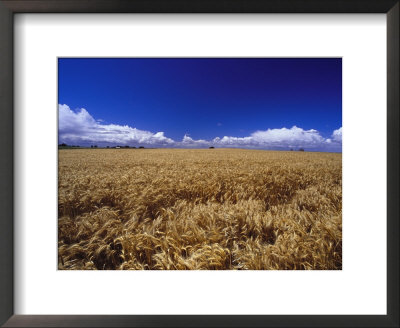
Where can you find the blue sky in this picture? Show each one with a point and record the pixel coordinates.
(266, 103)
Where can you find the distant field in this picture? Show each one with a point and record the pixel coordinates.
(199, 209)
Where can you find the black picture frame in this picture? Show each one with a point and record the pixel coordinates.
(10, 7)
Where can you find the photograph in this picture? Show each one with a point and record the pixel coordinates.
(223, 163)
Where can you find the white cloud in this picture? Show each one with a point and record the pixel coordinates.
(234, 141)
(337, 135)
(294, 137)
(188, 142)
(82, 129)
(283, 138)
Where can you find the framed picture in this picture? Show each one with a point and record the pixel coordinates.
(190, 163)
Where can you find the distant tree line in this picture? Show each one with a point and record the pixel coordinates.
(64, 145)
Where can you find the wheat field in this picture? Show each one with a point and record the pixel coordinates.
(192, 209)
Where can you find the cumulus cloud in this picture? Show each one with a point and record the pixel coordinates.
(79, 127)
(289, 137)
(283, 138)
(188, 142)
(337, 135)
